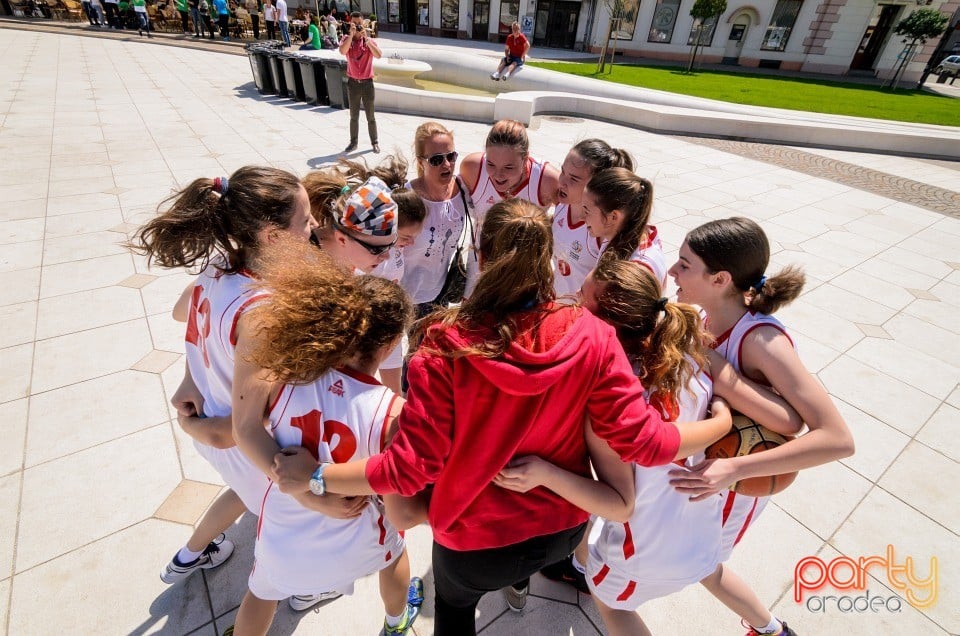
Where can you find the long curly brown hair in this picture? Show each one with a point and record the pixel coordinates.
(660, 338)
(314, 318)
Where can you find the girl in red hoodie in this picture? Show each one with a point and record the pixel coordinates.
(509, 373)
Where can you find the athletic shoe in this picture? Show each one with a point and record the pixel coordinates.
(516, 599)
(495, 76)
(505, 77)
(216, 553)
(351, 147)
(564, 572)
(413, 611)
(786, 631)
(301, 602)
(415, 592)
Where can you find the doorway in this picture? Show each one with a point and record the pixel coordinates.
(875, 37)
(481, 19)
(408, 16)
(556, 24)
(738, 35)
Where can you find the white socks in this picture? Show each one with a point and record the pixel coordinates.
(582, 569)
(773, 627)
(185, 556)
(393, 621)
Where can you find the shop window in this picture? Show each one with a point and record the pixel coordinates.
(706, 32)
(781, 24)
(449, 14)
(664, 19)
(509, 13)
(423, 13)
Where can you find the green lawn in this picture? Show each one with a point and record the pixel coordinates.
(797, 94)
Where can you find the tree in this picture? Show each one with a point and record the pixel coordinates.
(702, 11)
(917, 28)
(617, 9)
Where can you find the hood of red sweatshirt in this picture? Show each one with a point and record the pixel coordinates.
(547, 344)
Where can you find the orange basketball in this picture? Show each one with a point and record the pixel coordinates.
(748, 437)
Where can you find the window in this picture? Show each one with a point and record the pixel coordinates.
(627, 10)
(509, 13)
(664, 19)
(781, 24)
(423, 13)
(706, 33)
(449, 14)
(393, 11)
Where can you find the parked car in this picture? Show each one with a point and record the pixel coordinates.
(949, 64)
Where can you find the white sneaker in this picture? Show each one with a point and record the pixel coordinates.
(302, 602)
(495, 76)
(516, 599)
(505, 77)
(216, 553)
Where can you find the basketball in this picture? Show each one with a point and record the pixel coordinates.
(747, 437)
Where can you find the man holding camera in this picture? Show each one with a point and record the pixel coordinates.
(360, 50)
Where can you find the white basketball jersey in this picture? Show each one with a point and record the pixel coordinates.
(217, 303)
(670, 542)
(339, 418)
(575, 252)
(649, 254)
(739, 511)
(485, 196)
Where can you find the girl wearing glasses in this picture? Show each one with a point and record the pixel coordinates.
(575, 252)
(447, 205)
(505, 170)
(336, 200)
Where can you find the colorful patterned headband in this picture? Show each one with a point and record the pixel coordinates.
(370, 210)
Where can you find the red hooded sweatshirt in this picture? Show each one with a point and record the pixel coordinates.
(466, 418)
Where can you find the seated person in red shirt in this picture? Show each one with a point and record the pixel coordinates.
(514, 54)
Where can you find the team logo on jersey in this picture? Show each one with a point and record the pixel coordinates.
(563, 267)
(490, 200)
(577, 247)
(337, 388)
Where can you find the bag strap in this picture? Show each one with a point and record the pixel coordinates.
(468, 220)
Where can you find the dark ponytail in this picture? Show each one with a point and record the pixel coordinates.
(740, 247)
(621, 189)
(218, 220)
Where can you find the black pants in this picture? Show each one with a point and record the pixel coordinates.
(113, 14)
(271, 29)
(223, 20)
(255, 21)
(461, 578)
(184, 21)
(208, 21)
(361, 91)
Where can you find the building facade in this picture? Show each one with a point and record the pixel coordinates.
(836, 37)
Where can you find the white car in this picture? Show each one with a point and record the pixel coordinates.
(950, 65)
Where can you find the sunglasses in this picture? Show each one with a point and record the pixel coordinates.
(375, 250)
(437, 160)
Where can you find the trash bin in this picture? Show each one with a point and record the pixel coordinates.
(276, 72)
(260, 68)
(314, 80)
(336, 74)
(291, 72)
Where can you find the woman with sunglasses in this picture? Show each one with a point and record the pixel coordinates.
(341, 196)
(505, 170)
(447, 202)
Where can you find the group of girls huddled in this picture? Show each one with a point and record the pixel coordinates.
(522, 307)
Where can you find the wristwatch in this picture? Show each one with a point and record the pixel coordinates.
(317, 485)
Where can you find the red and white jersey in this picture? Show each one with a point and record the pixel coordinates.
(575, 252)
(670, 542)
(339, 418)
(649, 254)
(739, 511)
(485, 196)
(392, 268)
(216, 306)
(217, 303)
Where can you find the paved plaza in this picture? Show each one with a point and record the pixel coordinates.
(99, 487)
